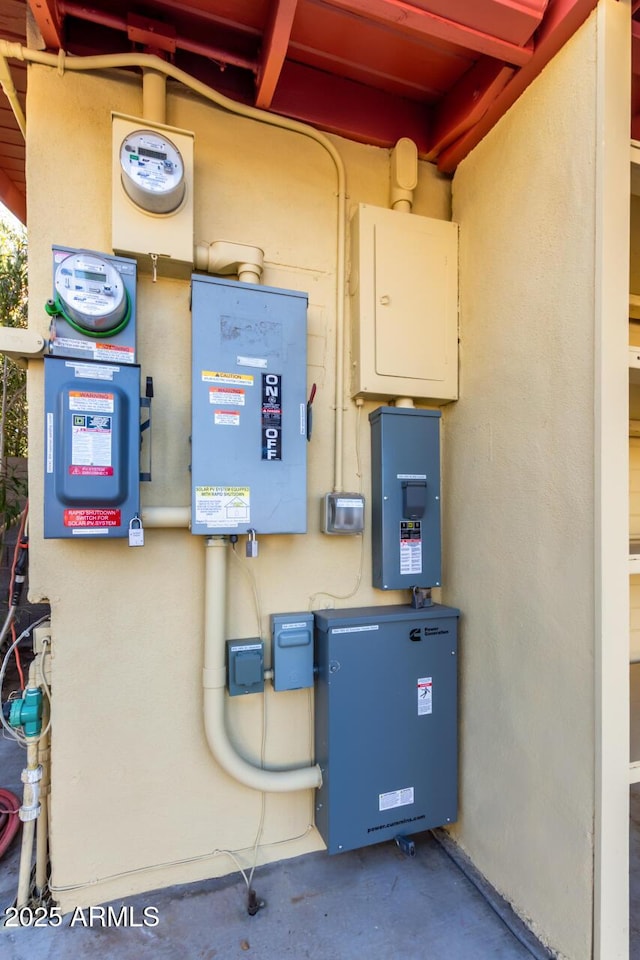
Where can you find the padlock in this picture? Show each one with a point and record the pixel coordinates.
(252, 545)
(136, 532)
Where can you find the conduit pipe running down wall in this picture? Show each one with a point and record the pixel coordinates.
(214, 677)
(403, 180)
(149, 62)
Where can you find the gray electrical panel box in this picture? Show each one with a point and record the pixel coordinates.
(249, 401)
(92, 448)
(292, 650)
(245, 666)
(385, 722)
(405, 498)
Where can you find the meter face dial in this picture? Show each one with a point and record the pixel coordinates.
(91, 292)
(152, 171)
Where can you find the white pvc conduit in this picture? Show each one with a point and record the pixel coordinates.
(148, 62)
(214, 677)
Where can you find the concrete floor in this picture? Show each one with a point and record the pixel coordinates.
(375, 903)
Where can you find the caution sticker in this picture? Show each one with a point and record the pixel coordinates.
(222, 506)
(228, 379)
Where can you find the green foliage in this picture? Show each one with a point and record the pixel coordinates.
(13, 399)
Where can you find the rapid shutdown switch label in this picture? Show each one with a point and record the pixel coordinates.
(271, 416)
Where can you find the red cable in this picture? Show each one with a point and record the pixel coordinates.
(10, 824)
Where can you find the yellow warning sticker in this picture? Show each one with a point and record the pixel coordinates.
(223, 506)
(236, 379)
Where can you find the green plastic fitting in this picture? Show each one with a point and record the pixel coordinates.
(27, 712)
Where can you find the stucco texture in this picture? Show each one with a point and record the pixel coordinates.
(519, 510)
(137, 800)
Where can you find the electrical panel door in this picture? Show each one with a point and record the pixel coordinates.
(92, 448)
(385, 722)
(249, 425)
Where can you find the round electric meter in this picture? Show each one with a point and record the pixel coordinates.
(152, 171)
(90, 294)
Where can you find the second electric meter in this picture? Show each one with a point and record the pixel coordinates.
(91, 294)
(93, 308)
(152, 171)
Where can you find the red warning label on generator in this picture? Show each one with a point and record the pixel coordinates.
(92, 518)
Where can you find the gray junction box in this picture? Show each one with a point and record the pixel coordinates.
(405, 498)
(385, 722)
(249, 402)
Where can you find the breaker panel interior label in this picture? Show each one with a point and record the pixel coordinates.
(223, 506)
(425, 696)
(410, 547)
(395, 798)
(271, 416)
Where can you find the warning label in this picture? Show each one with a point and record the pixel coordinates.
(227, 418)
(425, 696)
(228, 379)
(233, 396)
(91, 518)
(395, 798)
(91, 445)
(223, 506)
(410, 547)
(94, 402)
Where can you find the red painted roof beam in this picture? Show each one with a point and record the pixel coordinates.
(407, 18)
(274, 49)
(48, 19)
(562, 20)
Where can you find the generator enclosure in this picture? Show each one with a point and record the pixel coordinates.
(405, 498)
(249, 424)
(67, 340)
(385, 722)
(92, 448)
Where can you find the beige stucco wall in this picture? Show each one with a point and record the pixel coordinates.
(519, 482)
(134, 784)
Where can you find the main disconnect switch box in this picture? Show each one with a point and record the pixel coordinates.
(249, 428)
(385, 722)
(92, 448)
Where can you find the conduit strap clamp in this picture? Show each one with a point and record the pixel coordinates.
(32, 775)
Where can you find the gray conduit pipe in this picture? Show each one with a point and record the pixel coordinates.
(146, 61)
